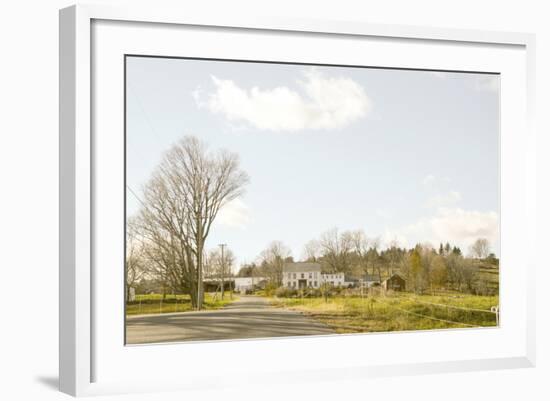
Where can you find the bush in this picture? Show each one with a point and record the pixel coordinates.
(284, 292)
(270, 289)
(335, 290)
(313, 293)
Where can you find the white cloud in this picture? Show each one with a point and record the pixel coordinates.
(322, 103)
(465, 226)
(458, 226)
(444, 199)
(234, 214)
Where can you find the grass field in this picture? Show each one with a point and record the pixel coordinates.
(400, 311)
(151, 303)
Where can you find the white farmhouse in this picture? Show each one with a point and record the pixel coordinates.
(335, 279)
(308, 275)
(302, 275)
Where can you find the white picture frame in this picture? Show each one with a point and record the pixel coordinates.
(80, 344)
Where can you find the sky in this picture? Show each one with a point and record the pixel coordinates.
(406, 156)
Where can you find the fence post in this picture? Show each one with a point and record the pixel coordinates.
(496, 311)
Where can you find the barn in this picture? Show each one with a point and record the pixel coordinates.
(395, 282)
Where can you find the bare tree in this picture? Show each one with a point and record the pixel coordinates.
(360, 246)
(455, 264)
(220, 266)
(438, 273)
(272, 259)
(462, 273)
(336, 249)
(373, 258)
(312, 250)
(181, 201)
(209, 266)
(135, 258)
(480, 249)
(470, 275)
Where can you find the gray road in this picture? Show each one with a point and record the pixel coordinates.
(249, 317)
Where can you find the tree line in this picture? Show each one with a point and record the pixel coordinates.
(357, 255)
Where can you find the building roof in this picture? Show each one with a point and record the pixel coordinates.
(395, 275)
(372, 277)
(299, 267)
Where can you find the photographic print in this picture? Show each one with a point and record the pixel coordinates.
(269, 199)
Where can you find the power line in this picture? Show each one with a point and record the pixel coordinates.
(222, 246)
(135, 195)
(144, 113)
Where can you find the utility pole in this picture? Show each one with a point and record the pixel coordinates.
(200, 260)
(222, 246)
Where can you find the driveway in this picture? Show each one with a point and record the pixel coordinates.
(249, 317)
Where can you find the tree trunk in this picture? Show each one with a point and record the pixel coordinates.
(193, 295)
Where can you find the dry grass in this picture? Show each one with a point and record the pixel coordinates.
(151, 303)
(397, 312)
